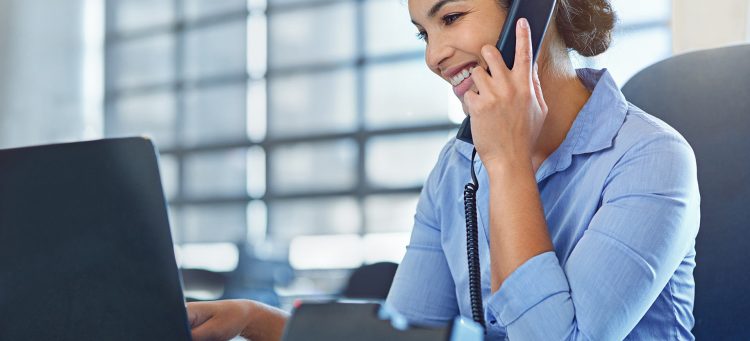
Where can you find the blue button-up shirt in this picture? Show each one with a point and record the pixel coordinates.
(620, 197)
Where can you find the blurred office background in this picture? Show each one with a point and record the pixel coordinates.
(294, 134)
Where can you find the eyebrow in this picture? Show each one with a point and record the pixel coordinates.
(435, 8)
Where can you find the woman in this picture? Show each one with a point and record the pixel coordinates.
(588, 207)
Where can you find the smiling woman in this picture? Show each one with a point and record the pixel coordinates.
(586, 223)
(588, 208)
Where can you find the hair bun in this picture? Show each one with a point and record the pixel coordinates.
(586, 25)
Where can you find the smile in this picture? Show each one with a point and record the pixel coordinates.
(460, 76)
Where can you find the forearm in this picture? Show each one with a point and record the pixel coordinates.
(518, 230)
(265, 323)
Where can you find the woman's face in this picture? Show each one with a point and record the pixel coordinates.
(454, 32)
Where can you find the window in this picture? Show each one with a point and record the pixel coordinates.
(299, 125)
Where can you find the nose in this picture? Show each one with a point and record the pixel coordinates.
(436, 52)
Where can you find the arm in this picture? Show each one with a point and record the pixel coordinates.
(632, 247)
(517, 224)
(508, 113)
(423, 289)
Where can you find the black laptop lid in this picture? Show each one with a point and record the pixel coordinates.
(85, 246)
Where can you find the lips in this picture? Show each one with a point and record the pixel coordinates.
(460, 78)
(463, 87)
(450, 73)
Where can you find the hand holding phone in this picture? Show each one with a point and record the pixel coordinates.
(538, 13)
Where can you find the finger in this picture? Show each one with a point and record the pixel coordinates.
(538, 89)
(469, 99)
(481, 79)
(205, 332)
(197, 314)
(494, 60)
(213, 330)
(522, 63)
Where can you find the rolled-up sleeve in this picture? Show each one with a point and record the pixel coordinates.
(423, 289)
(646, 225)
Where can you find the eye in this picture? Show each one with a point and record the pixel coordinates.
(447, 20)
(450, 18)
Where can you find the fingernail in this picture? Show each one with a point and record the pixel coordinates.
(523, 23)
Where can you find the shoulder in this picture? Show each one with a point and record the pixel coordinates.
(650, 150)
(639, 124)
(434, 191)
(448, 174)
(642, 132)
(453, 153)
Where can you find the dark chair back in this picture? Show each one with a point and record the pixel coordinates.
(372, 281)
(705, 95)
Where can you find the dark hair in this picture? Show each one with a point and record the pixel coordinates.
(584, 25)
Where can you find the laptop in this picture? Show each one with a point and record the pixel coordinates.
(85, 246)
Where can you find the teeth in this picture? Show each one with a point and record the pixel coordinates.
(459, 77)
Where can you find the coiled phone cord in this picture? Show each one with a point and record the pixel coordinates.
(472, 245)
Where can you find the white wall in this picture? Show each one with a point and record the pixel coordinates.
(42, 52)
(701, 24)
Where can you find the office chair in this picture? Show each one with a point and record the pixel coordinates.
(372, 281)
(194, 280)
(705, 95)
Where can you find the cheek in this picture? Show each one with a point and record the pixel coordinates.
(435, 71)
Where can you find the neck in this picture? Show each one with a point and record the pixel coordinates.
(565, 95)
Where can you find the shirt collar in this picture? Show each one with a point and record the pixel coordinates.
(601, 117)
(596, 125)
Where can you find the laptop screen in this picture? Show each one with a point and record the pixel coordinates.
(85, 245)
